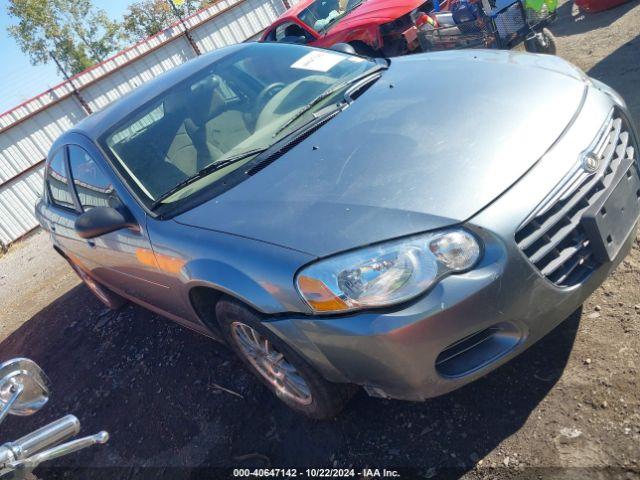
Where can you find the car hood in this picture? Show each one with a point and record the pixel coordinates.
(379, 10)
(431, 143)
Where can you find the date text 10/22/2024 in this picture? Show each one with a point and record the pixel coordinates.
(315, 473)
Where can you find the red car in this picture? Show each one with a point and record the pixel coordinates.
(593, 6)
(372, 27)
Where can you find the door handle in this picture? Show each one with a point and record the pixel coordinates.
(52, 227)
(91, 243)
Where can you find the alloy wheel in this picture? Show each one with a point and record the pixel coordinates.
(271, 364)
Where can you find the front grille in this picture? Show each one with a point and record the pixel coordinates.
(552, 237)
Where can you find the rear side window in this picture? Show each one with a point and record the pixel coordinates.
(58, 183)
(92, 185)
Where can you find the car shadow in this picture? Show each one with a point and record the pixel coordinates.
(177, 401)
(571, 21)
(621, 70)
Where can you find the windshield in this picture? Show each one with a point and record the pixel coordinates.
(230, 110)
(321, 14)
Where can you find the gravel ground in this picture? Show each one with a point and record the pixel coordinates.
(172, 398)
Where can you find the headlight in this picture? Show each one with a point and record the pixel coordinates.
(388, 273)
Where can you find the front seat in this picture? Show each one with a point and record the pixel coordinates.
(191, 149)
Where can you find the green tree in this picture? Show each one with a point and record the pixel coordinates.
(147, 17)
(74, 31)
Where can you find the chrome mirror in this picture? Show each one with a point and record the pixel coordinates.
(24, 388)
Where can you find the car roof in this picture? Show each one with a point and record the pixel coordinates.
(296, 9)
(97, 123)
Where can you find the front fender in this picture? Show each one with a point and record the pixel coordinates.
(368, 34)
(225, 278)
(259, 274)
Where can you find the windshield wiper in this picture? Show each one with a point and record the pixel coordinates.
(209, 169)
(326, 94)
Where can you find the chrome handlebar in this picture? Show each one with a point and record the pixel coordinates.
(59, 451)
(24, 390)
(36, 441)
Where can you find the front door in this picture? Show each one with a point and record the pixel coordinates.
(121, 260)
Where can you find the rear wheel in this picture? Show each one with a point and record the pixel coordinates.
(110, 299)
(281, 369)
(543, 42)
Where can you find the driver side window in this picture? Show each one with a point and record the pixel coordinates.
(58, 181)
(92, 185)
(288, 31)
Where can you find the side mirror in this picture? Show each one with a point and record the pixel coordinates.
(344, 48)
(101, 220)
(24, 388)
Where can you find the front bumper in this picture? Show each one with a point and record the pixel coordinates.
(394, 354)
(468, 324)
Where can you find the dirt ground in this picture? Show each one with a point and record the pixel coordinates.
(176, 401)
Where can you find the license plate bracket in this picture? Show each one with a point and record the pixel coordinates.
(610, 220)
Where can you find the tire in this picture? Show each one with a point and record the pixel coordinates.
(544, 42)
(111, 300)
(325, 399)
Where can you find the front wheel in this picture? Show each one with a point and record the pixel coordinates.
(543, 42)
(282, 370)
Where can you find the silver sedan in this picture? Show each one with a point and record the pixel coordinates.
(406, 226)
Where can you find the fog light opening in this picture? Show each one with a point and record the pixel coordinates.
(477, 350)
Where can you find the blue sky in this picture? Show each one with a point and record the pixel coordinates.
(19, 80)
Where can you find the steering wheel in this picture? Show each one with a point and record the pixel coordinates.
(262, 99)
(267, 94)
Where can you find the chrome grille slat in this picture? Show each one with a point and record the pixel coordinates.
(566, 186)
(553, 219)
(610, 148)
(552, 237)
(571, 268)
(564, 256)
(601, 143)
(622, 148)
(553, 242)
(576, 182)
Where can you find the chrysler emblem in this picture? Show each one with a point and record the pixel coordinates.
(590, 163)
